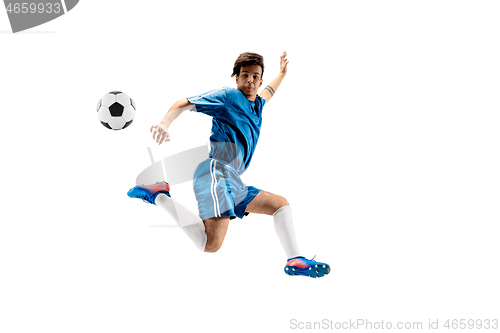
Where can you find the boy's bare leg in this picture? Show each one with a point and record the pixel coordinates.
(263, 203)
(277, 206)
(266, 203)
(216, 229)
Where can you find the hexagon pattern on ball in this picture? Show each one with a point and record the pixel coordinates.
(116, 110)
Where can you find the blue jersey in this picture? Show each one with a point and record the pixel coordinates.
(235, 126)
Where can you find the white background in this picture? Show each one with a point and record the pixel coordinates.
(384, 137)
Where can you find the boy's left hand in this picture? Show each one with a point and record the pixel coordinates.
(284, 63)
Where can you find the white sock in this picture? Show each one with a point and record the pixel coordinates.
(283, 225)
(190, 223)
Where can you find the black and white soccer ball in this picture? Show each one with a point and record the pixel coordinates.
(116, 110)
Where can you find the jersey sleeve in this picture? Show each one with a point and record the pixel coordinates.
(260, 102)
(263, 101)
(211, 102)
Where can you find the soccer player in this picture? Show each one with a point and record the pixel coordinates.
(219, 190)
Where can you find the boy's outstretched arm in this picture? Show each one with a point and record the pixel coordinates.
(160, 131)
(270, 90)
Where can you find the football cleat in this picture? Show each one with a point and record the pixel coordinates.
(148, 193)
(306, 267)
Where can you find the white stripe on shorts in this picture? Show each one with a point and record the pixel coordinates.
(213, 188)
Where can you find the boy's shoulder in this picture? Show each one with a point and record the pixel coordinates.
(224, 92)
(233, 95)
(230, 90)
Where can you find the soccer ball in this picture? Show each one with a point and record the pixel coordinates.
(116, 110)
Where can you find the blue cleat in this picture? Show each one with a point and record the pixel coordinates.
(306, 267)
(148, 193)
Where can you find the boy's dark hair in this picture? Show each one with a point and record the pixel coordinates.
(248, 59)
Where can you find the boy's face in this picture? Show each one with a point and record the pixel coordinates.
(249, 80)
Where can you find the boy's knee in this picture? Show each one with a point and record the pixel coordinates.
(284, 202)
(280, 202)
(213, 245)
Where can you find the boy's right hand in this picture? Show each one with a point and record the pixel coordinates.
(160, 133)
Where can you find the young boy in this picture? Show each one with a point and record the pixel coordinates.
(219, 190)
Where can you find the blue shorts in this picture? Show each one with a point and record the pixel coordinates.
(220, 191)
